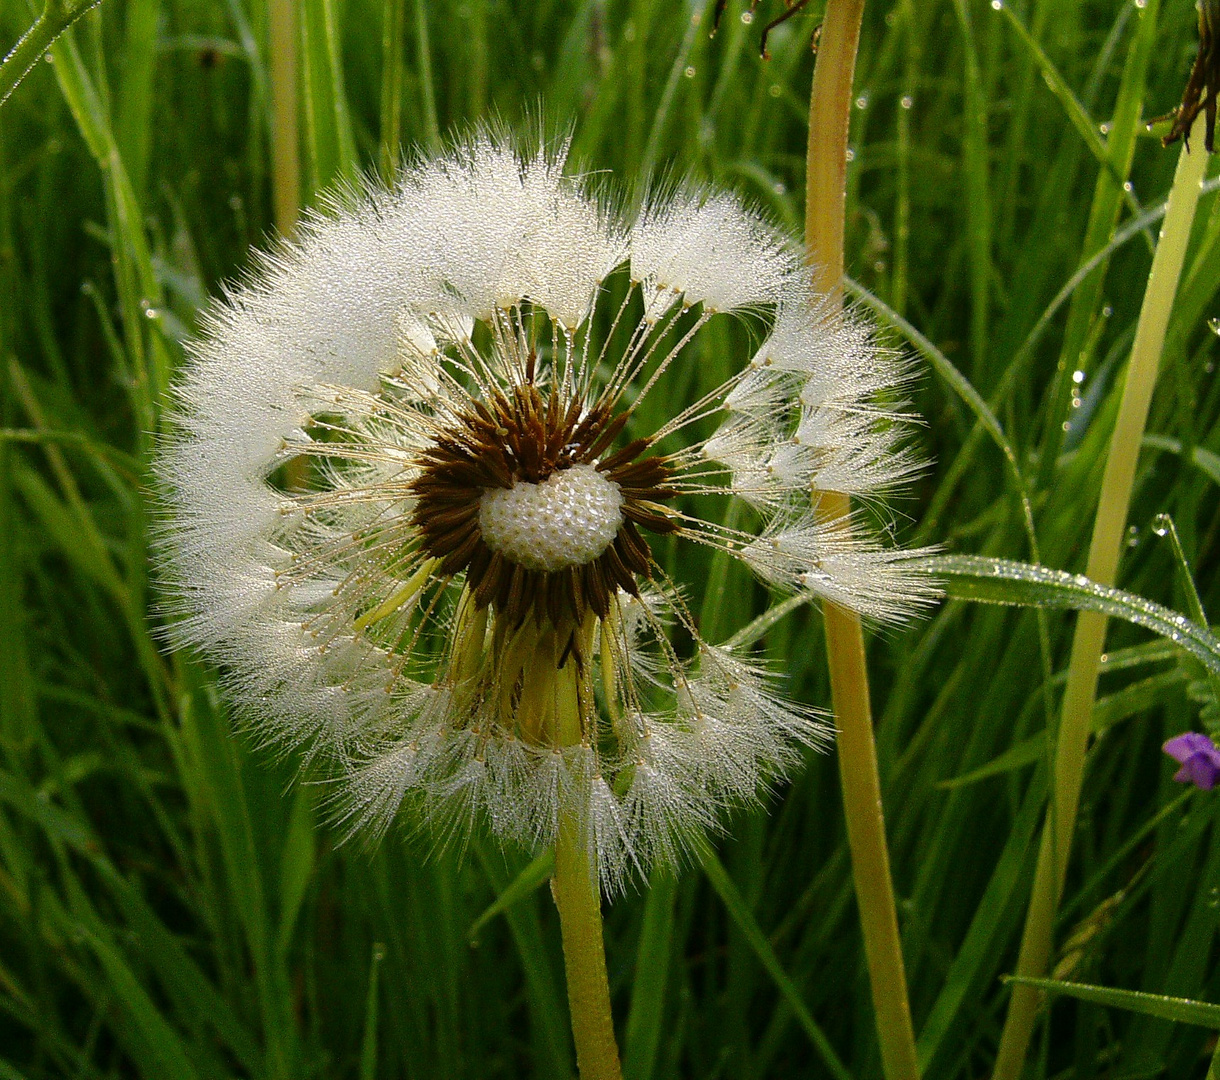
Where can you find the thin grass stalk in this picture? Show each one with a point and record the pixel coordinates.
(1089, 638)
(826, 185)
(285, 124)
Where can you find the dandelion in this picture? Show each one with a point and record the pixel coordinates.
(412, 506)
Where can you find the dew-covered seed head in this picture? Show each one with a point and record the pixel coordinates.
(569, 519)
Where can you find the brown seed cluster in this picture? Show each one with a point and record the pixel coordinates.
(524, 436)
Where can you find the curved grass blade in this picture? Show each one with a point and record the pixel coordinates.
(1002, 581)
(1181, 1010)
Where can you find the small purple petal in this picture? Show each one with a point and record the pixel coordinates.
(1199, 757)
(1199, 770)
(1181, 747)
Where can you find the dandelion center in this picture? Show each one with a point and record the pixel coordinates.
(567, 520)
(525, 494)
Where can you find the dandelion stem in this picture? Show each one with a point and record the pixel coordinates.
(826, 182)
(1090, 633)
(574, 887)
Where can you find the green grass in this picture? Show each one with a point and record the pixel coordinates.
(171, 907)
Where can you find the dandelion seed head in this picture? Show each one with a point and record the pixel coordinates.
(411, 501)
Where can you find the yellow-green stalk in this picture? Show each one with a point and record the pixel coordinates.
(1089, 639)
(285, 130)
(826, 181)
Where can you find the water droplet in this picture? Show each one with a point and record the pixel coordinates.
(851, 155)
(151, 313)
(1077, 377)
(997, 5)
(689, 72)
(696, 18)
(862, 101)
(1104, 128)
(1107, 311)
(1141, 4)
(747, 17)
(1161, 524)
(906, 101)
(629, 31)
(775, 89)
(780, 188)
(1214, 325)
(1128, 187)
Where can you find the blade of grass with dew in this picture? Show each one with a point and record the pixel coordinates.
(56, 17)
(1001, 581)
(1180, 1010)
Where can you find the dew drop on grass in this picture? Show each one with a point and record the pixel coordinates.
(1161, 524)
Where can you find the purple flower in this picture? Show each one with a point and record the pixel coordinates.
(1199, 757)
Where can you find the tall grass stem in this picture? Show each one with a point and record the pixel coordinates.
(826, 184)
(1089, 639)
(285, 123)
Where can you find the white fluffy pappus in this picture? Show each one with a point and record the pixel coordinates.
(409, 495)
